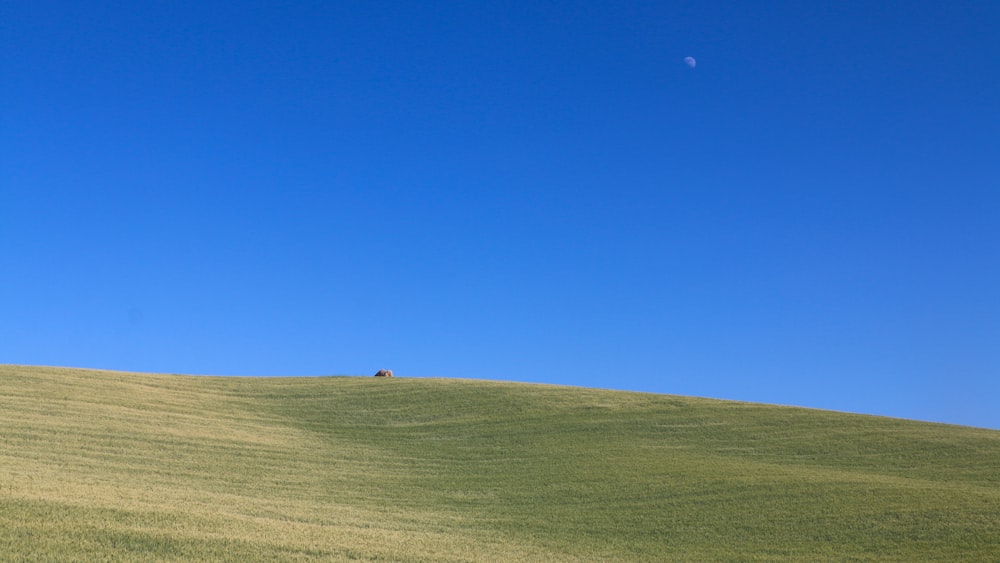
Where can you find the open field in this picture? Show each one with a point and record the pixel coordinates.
(116, 466)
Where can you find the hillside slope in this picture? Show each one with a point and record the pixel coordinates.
(121, 466)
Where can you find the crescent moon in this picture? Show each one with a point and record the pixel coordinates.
(690, 62)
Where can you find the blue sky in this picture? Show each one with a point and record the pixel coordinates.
(533, 191)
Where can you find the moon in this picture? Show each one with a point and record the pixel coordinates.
(690, 62)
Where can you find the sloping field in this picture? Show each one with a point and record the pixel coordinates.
(118, 466)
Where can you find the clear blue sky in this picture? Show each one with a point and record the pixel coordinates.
(533, 191)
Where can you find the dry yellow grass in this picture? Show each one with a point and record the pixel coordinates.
(114, 466)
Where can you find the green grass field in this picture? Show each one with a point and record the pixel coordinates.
(113, 466)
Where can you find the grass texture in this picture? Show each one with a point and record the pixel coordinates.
(110, 466)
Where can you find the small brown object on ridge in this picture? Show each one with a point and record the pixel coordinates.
(384, 373)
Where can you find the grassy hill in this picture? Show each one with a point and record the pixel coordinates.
(118, 466)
